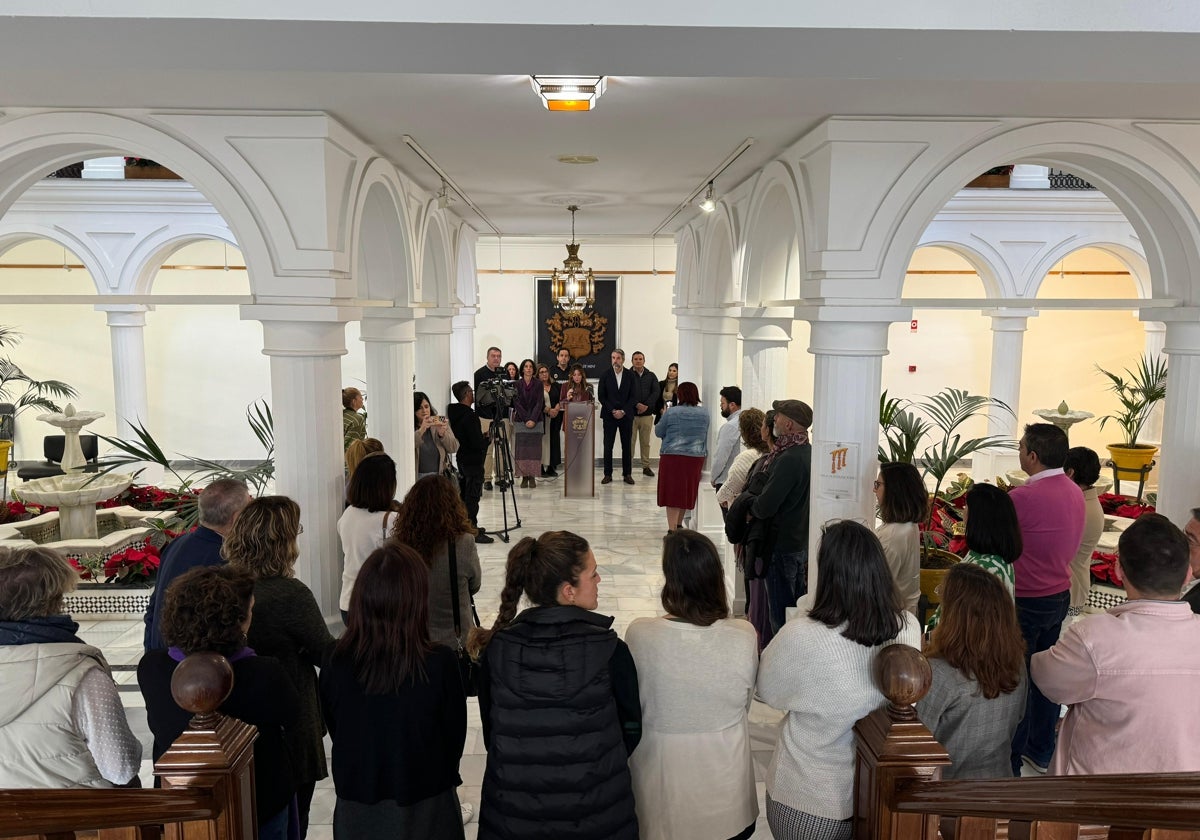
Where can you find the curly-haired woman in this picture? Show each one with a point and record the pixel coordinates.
(210, 609)
(432, 520)
(288, 624)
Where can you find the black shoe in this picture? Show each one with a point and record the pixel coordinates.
(628, 479)
(606, 480)
(483, 539)
(532, 482)
(487, 485)
(543, 472)
(550, 473)
(648, 471)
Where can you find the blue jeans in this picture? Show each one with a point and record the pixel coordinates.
(787, 580)
(1041, 620)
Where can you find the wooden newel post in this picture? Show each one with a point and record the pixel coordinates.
(891, 743)
(215, 755)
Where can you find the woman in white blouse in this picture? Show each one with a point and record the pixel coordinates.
(750, 423)
(692, 774)
(903, 505)
(367, 519)
(818, 669)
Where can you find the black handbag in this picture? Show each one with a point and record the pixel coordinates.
(468, 668)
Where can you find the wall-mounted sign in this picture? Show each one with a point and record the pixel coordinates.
(837, 470)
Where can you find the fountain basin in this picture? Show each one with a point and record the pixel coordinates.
(75, 496)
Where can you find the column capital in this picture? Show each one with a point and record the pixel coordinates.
(124, 314)
(1009, 320)
(319, 310)
(847, 310)
(436, 321)
(766, 324)
(1175, 314)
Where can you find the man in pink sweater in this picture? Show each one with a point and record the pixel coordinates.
(1131, 675)
(1051, 513)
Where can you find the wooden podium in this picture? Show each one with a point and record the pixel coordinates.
(579, 471)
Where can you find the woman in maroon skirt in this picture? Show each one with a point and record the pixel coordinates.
(684, 432)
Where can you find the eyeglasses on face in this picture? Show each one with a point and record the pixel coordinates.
(877, 483)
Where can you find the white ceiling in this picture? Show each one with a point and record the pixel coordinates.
(679, 100)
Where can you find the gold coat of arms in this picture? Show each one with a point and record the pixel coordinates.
(581, 333)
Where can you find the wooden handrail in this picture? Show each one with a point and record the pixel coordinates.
(25, 812)
(1158, 800)
(899, 794)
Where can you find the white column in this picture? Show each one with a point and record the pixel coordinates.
(849, 344)
(1178, 483)
(463, 361)
(691, 347)
(718, 368)
(1156, 339)
(766, 335)
(105, 168)
(389, 335)
(433, 356)
(1026, 176)
(305, 345)
(126, 332)
(1004, 383)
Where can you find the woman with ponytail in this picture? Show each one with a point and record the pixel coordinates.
(558, 698)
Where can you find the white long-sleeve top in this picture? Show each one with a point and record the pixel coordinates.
(735, 479)
(824, 682)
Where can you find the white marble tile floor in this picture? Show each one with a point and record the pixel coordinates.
(624, 526)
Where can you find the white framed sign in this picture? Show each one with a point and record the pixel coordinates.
(837, 466)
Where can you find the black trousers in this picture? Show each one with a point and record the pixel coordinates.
(611, 428)
(556, 424)
(470, 486)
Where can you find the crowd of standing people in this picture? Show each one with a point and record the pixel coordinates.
(588, 734)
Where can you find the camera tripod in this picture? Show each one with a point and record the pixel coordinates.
(502, 458)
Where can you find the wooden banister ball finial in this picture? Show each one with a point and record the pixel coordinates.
(200, 684)
(904, 677)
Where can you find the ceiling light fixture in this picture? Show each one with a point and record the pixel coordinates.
(709, 202)
(411, 142)
(573, 290)
(569, 93)
(706, 183)
(444, 199)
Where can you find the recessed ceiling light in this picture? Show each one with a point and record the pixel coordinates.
(579, 159)
(569, 93)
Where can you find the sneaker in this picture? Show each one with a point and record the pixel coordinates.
(468, 811)
(606, 480)
(487, 485)
(628, 479)
(648, 471)
(483, 539)
(1040, 769)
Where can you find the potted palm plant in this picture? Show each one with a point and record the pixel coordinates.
(904, 431)
(1138, 390)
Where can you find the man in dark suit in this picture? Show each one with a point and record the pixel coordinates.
(220, 503)
(618, 404)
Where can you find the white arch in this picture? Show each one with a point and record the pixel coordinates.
(466, 269)
(988, 264)
(12, 235)
(381, 252)
(686, 262)
(33, 144)
(142, 267)
(717, 270)
(1130, 257)
(436, 284)
(767, 231)
(1153, 185)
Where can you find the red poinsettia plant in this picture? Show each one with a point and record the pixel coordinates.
(136, 564)
(1129, 507)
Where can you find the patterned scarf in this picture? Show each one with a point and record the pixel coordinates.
(785, 442)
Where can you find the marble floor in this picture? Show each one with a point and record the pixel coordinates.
(624, 525)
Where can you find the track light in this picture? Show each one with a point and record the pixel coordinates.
(709, 202)
(444, 199)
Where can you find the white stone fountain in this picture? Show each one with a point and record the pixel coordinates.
(75, 493)
(1063, 416)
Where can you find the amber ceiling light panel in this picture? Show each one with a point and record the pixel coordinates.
(569, 93)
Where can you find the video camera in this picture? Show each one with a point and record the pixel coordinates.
(498, 392)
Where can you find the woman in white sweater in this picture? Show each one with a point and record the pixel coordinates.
(692, 773)
(818, 669)
(368, 519)
(903, 505)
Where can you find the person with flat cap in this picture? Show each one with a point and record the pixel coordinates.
(783, 503)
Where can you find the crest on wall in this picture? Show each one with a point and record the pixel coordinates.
(582, 333)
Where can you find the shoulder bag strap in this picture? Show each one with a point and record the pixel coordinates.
(454, 602)
(386, 514)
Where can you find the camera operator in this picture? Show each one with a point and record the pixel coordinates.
(487, 413)
(473, 448)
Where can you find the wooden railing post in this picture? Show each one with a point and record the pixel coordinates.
(891, 744)
(214, 756)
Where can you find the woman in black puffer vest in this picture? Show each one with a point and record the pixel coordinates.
(559, 701)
